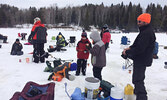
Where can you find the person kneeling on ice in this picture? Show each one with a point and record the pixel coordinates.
(16, 48)
(62, 71)
(61, 42)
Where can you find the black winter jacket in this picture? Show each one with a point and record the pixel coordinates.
(141, 51)
(16, 47)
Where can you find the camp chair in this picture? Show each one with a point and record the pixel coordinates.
(19, 35)
(34, 91)
(72, 41)
(128, 63)
(23, 36)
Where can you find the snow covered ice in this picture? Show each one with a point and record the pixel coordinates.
(14, 74)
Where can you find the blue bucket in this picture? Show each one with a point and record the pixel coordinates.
(114, 99)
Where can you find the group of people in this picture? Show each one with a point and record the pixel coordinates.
(141, 51)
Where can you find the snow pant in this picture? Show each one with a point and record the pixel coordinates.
(81, 64)
(17, 53)
(106, 46)
(38, 52)
(97, 72)
(138, 81)
(4, 38)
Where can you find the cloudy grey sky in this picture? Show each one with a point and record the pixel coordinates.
(63, 3)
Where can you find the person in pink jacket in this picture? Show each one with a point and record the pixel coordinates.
(105, 36)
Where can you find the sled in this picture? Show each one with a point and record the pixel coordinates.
(34, 91)
(28, 43)
(30, 53)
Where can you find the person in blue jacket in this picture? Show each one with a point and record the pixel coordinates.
(155, 51)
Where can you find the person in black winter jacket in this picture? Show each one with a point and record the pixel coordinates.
(38, 38)
(141, 52)
(16, 48)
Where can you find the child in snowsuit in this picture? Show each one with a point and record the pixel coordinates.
(62, 70)
(82, 54)
(98, 55)
(105, 36)
(16, 48)
(61, 42)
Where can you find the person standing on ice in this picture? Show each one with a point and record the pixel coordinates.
(98, 54)
(105, 36)
(82, 54)
(141, 52)
(38, 38)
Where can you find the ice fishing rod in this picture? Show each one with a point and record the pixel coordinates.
(60, 59)
(66, 91)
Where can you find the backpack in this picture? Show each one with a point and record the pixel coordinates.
(41, 34)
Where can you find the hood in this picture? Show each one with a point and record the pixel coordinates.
(95, 36)
(39, 23)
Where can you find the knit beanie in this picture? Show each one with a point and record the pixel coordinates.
(145, 17)
(84, 34)
(17, 40)
(36, 19)
(105, 26)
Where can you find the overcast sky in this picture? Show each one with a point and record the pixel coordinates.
(64, 3)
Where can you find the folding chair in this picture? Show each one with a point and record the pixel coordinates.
(19, 35)
(23, 36)
(72, 41)
(34, 91)
(128, 63)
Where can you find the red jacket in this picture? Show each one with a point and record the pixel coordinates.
(106, 37)
(82, 52)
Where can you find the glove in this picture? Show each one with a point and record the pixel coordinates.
(88, 47)
(85, 51)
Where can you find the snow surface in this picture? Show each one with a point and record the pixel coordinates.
(14, 74)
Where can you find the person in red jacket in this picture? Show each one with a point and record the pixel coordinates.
(38, 38)
(82, 54)
(105, 36)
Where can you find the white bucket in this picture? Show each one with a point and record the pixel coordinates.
(165, 66)
(116, 93)
(130, 97)
(91, 88)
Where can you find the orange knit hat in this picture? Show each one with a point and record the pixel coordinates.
(145, 17)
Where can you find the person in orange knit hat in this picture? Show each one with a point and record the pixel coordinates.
(141, 52)
(145, 17)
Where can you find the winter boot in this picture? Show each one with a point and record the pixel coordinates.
(78, 71)
(50, 77)
(36, 58)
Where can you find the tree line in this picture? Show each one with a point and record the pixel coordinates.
(116, 16)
